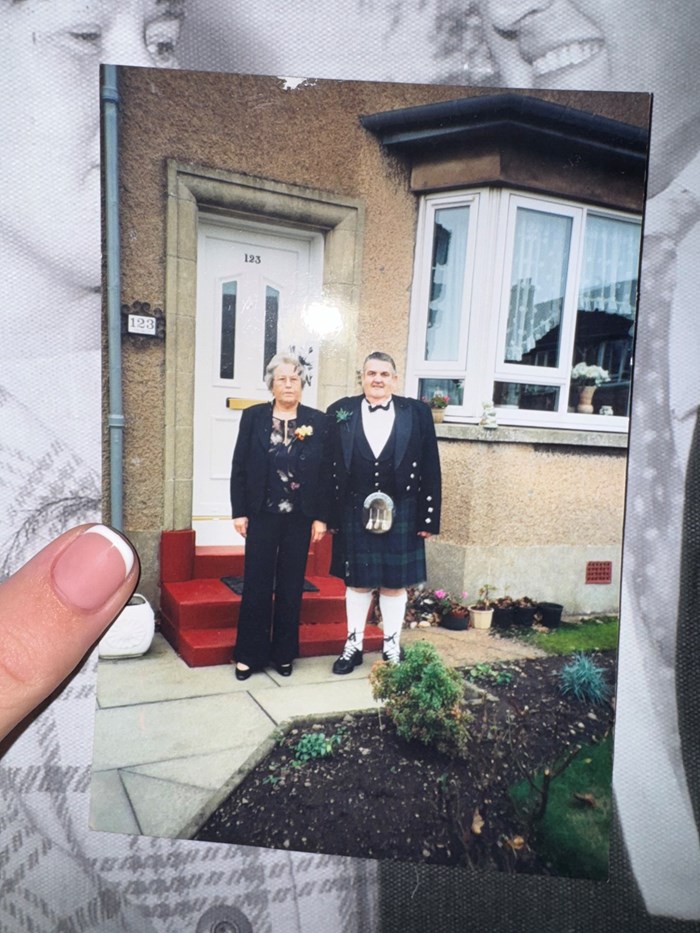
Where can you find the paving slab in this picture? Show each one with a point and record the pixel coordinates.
(160, 674)
(110, 807)
(345, 695)
(162, 807)
(207, 772)
(151, 732)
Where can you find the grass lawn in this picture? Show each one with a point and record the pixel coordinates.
(598, 634)
(573, 835)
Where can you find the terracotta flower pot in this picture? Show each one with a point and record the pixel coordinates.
(585, 400)
(438, 415)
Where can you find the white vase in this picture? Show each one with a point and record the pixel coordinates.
(131, 633)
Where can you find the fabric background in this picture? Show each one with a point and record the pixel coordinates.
(55, 874)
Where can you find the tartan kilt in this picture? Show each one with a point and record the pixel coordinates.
(395, 559)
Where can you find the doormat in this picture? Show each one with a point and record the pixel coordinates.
(236, 584)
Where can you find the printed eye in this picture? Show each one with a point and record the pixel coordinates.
(161, 39)
(86, 37)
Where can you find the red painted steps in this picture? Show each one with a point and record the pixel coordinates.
(198, 613)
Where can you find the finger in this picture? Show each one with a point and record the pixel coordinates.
(54, 609)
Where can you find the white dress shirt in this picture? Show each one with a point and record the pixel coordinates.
(377, 425)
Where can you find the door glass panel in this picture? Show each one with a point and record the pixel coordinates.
(606, 311)
(272, 311)
(228, 330)
(449, 251)
(538, 284)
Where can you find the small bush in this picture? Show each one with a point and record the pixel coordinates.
(423, 699)
(485, 672)
(315, 745)
(585, 679)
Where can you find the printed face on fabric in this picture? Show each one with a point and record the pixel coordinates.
(591, 45)
(50, 209)
(49, 112)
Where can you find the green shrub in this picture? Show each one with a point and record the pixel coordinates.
(316, 745)
(485, 672)
(585, 679)
(423, 699)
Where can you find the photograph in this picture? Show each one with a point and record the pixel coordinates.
(66, 579)
(306, 586)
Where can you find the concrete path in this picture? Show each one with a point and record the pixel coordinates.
(172, 741)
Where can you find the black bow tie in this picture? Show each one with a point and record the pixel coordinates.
(373, 408)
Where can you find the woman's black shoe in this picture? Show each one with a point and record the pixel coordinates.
(243, 674)
(284, 670)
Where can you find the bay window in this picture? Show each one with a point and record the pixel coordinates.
(511, 293)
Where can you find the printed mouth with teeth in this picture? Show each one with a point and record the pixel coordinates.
(565, 56)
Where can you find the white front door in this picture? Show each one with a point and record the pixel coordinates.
(253, 285)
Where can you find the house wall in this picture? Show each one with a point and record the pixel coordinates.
(523, 515)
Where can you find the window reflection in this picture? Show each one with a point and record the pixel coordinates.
(538, 285)
(606, 308)
(452, 388)
(525, 396)
(272, 310)
(447, 283)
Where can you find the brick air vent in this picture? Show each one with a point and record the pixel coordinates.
(599, 571)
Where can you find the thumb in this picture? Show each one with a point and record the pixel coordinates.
(54, 608)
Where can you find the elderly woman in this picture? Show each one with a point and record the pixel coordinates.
(278, 500)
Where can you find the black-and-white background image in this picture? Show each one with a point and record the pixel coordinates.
(58, 875)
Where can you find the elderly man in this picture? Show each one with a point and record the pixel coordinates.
(385, 471)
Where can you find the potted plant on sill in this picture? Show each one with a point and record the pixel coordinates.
(587, 378)
(437, 403)
(481, 612)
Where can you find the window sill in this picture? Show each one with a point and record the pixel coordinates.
(517, 435)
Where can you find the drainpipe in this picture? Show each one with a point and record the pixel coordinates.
(110, 154)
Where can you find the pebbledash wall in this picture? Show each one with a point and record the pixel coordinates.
(524, 508)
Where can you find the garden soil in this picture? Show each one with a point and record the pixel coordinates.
(379, 796)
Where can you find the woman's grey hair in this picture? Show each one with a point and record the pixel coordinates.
(281, 359)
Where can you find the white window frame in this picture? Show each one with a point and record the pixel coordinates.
(490, 244)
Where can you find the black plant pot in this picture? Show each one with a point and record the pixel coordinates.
(551, 614)
(503, 617)
(455, 623)
(524, 615)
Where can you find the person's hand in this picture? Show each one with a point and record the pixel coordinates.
(54, 608)
(241, 526)
(318, 530)
(425, 534)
